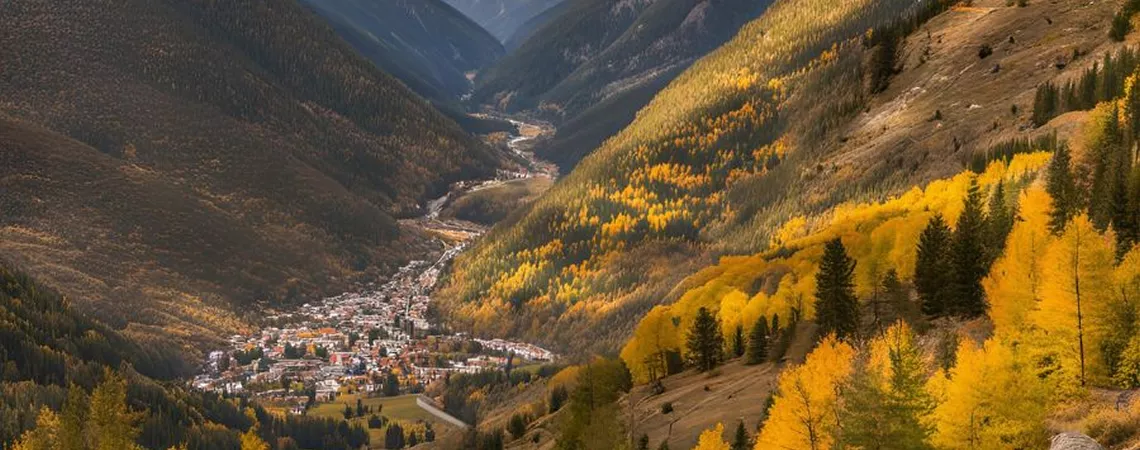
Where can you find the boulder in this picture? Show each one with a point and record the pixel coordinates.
(1073, 441)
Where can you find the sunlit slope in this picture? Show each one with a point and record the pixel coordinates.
(584, 254)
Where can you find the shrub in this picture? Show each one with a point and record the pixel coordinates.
(667, 408)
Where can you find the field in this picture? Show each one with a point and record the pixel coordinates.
(402, 408)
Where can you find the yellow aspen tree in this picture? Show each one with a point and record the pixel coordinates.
(1014, 284)
(992, 400)
(711, 439)
(656, 334)
(804, 411)
(46, 434)
(1077, 293)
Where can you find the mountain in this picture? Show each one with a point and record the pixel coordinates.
(803, 110)
(167, 163)
(503, 18)
(427, 44)
(591, 68)
(527, 29)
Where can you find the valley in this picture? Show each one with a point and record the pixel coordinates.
(383, 341)
(570, 225)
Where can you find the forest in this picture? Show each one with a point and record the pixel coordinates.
(968, 314)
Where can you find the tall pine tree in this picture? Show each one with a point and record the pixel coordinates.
(705, 343)
(740, 440)
(932, 267)
(836, 308)
(999, 223)
(968, 257)
(1062, 189)
(758, 342)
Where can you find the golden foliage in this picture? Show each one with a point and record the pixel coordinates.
(803, 415)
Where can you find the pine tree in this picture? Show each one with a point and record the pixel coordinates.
(394, 437)
(740, 441)
(932, 267)
(999, 222)
(1107, 149)
(886, 404)
(836, 308)
(1062, 189)
(967, 256)
(705, 343)
(758, 342)
(738, 341)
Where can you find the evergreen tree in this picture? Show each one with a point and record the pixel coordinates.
(394, 437)
(705, 343)
(886, 409)
(1107, 151)
(738, 341)
(836, 308)
(932, 267)
(897, 298)
(758, 342)
(1062, 188)
(740, 441)
(999, 223)
(967, 256)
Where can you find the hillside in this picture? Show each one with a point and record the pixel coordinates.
(57, 359)
(503, 18)
(599, 61)
(168, 163)
(427, 44)
(787, 120)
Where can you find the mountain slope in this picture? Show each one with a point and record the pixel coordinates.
(183, 158)
(427, 44)
(502, 18)
(592, 67)
(51, 352)
(780, 124)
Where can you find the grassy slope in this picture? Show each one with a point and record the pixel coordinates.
(183, 157)
(830, 148)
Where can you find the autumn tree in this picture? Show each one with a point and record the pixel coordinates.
(932, 267)
(46, 434)
(705, 343)
(711, 439)
(112, 426)
(1078, 279)
(1014, 284)
(1062, 189)
(836, 308)
(804, 409)
(758, 342)
(990, 400)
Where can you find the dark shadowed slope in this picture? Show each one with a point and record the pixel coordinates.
(503, 18)
(427, 44)
(184, 157)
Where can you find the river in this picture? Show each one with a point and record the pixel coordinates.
(378, 330)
